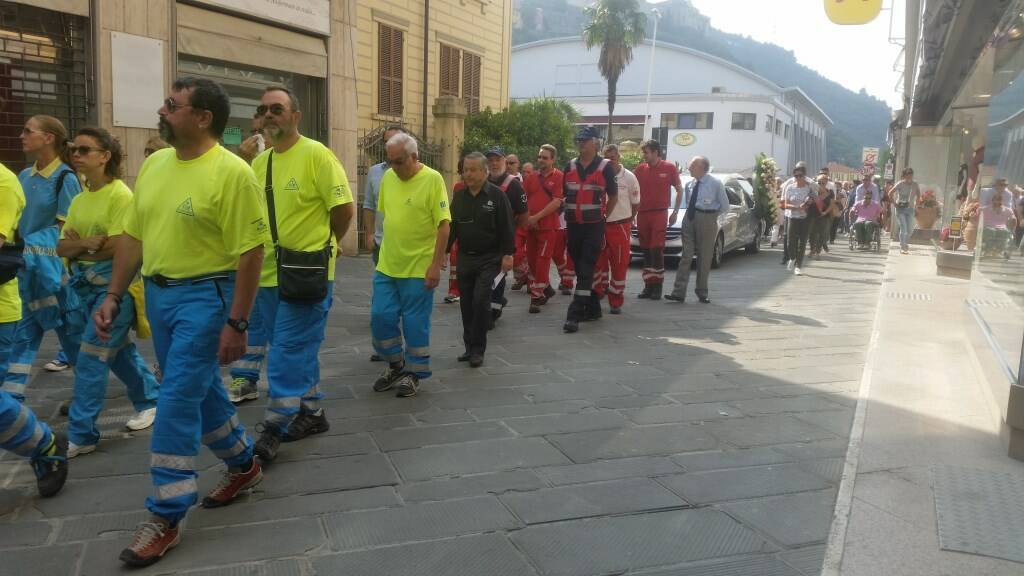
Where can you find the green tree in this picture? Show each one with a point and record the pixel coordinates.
(522, 128)
(618, 26)
(765, 202)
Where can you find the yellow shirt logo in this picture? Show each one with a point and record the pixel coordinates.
(186, 207)
(852, 12)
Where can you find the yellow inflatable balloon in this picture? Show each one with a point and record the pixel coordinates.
(852, 11)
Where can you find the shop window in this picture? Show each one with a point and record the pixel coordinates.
(450, 70)
(743, 121)
(389, 70)
(697, 121)
(471, 64)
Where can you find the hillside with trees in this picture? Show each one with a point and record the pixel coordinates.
(860, 119)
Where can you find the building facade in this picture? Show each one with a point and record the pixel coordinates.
(699, 104)
(111, 62)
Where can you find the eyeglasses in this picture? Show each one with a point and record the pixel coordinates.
(27, 130)
(275, 109)
(83, 150)
(172, 105)
(397, 162)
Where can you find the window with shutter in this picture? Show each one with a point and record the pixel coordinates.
(471, 82)
(389, 70)
(450, 70)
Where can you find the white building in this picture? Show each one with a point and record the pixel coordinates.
(700, 104)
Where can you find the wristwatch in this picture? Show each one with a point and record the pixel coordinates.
(240, 325)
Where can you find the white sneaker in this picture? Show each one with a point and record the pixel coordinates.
(141, 420)
(797, 272)
(790, 264)
(56, 366)
(76, 450)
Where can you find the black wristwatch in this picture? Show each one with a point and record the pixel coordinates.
(240, 325)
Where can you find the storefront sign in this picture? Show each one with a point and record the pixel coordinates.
(232, 136)
(852, 11)
(890, 171)
(956, 226)
(137, 77)
(312, 15)
(684, 139)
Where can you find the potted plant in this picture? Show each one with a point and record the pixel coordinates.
(927, 211)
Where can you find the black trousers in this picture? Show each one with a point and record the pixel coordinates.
(476, 274)
(796, 238)
(584, 243)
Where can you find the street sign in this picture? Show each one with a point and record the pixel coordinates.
(684, 139)
(869, 156)
(852, 11)
(890, 171)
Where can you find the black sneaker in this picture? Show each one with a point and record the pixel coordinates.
(645, 293)
(387, 379)
(565, 290)
(476, 361)
(571, 326)
(268, 442)
(464, 357)
(406, 385)
(549, 292)
(51, 467)
(594, 312)
(65, 407)
(376, 358)
(306, 424)
(615, 310)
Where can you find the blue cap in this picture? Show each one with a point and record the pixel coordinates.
(495, 151)
(586, 133)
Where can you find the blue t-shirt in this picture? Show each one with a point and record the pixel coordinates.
(372, 197)
(42, 206)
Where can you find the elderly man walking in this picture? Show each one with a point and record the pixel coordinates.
(414, 203)
(705, 198)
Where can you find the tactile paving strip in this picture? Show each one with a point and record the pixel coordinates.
(980, 512)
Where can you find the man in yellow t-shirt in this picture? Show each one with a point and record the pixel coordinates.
(197, 229)
(22, 433)
(414, 203)
(312, 210)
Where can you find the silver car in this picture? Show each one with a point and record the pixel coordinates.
(738, 227)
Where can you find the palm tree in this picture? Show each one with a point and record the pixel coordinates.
(618, 26)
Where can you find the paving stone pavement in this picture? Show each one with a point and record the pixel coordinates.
(671, 440)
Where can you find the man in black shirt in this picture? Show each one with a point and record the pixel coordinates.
(513, 189)
(482, 224)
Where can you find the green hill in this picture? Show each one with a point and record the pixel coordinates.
(860, 119)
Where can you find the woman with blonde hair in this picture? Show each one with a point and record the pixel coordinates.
(49, 184)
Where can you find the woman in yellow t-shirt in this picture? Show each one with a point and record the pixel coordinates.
(89, 241)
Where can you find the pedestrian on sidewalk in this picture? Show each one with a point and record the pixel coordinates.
(613, 264)
(22, 432)
(544, 199)
(89, 241)
(417, 221)
(798, 195)
(197, 227)
(904, 197)
(590, 194)
(867, 218)
(49, 185)
(482, 224)
(821, 221)
(998, 221)
(705, 199)
(513, 188)
(309, 209)
(657, 177)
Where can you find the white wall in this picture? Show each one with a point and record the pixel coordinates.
(728, 150)
(567, 68)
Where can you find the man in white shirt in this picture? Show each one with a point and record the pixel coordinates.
(614, 260)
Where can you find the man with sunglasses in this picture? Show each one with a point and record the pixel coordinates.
(307, 189)
(197, 228)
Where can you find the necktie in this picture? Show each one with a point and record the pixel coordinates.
(691, 206)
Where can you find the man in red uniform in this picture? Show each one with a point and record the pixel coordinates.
(544, 198)
(656, 177)
(613, 263)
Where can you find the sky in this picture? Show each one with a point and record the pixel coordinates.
(854, 56)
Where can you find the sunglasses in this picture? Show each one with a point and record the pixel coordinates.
(172, 105)
(83, 150)
(275, 109)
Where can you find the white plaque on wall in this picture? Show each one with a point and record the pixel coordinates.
(312, 15)
(137, 70)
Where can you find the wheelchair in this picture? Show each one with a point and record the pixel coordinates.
(875, 244)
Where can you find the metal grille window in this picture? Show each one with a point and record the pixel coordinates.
(471, 82)
(743, 121)
(44, 69)
(450, 70)
(389, 70)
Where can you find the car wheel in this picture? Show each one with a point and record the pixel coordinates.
(755, 245)
(716, 256)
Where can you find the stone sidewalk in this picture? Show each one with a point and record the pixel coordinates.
(671, 440)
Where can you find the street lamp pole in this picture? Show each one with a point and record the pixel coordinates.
(650, 71)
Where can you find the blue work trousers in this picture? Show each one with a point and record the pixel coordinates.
(20, 431)
(193, 407)
(251, 363)
(401, 307)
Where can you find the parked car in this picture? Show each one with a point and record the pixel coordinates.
(738, 227)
